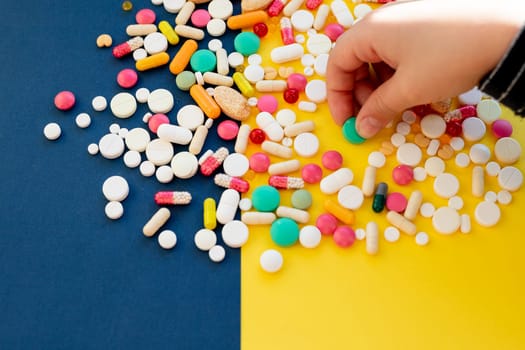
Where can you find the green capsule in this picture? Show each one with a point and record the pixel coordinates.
(380, 197)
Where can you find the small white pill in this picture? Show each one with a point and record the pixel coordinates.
(510, 178)
(465, 225)
(137, 139)
(457, 144)
(271, 260)
(235, 233)
(420, 174)
(307, 106)
(360, 234)
(115, 188)
(376, 159)
(235, 59)
(142, 95)
(474, 129)
(285, 117)
(123, 132)
(286, 53)
(487, 214)
(190, 117)
(302, 20)
(391, 234)
(309, 236)
(147, 168)
(254, 73)
(173, 6)
(409, 154)
(456, 202)
(139, 54)
(114, 210)
(52, 131)
(361, 10)
(99, 103)
(488, 110)
(433, 126)
(132, 159)
(409, 116)
(184, 165)
(205, 239)
(167, 239)
(491, 196)
(504, 197)
(446, 220)
(462, 160)
(164, 174)
(422, 238)
(307, 60)
(434, 166)
(123, 105)
(315, 90)
(306, 144)
(92, 149)
(446, 185)
(479, 153)
(214, 45)
(221, 9)
(217, 253)
(350, 197)
(146, 117)
(507, 150)
(245, 204)
(427, 210)
(397, 139)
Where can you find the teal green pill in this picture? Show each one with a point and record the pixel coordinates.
(203, 61)
(284, 232)
(302, 199)
(185, 80)
(265, 198)
(350, 132)
(246, 43)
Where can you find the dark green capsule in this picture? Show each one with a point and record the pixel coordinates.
(380, 197)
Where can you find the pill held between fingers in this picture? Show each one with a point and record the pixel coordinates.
(158, 219)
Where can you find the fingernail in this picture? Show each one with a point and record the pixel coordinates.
(368, 127)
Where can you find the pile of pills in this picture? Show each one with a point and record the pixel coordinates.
(235, 94)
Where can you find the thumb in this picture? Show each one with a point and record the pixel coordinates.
(387, 101)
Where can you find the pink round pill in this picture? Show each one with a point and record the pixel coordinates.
(200, 18)
(334, 30)
(227, 129)
(312, 173)
(127, 78)
(326, 223)
(156, 120)
(64, 100)
(501, 128)
(296, 81)
(344, 236)
(145, 16)
(267, 103)
(332, 160)
(259, 162)
(402, 174)
(396, 201)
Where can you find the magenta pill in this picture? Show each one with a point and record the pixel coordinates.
(296, 81)
(332, 160)
(334, 30)
(127, 78)
(396, 201)
(326, 223)
(145, 16)
(267, 103)
(156, 120)
(402, 174)
(312, 173)
(344, 236)
(501, 128)
(259, 162)
(64, 100)
(227, 130)
(200, 18)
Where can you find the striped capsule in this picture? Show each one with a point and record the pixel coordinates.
(172, 198)
(286, 182)
(128, 47)
(212, 162)
(232, 182)
(209, 213)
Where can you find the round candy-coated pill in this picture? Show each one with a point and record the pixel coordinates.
(246, 43)
(302, 199)
(334, 30)
(267, 103)
(326, 223)
(259, 162)
(185, 80)
(260, 29)
(145, 16)
(454, 128)
(257, 136)
(332, 160)
(396, 201)
(203, 61)
(291, 95)
(296, 81)
(265, 198)
(156, 120)
(64, 100)
(402, 174)
(227, 129)
(344, 236)
(312, 173)
(200, 18)
(501, 128)
(127, 78)
(350, 132)
(284, 232)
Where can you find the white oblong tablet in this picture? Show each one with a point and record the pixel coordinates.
(310, 236)
(409, 154)
(487, 214)
(433, 126)
(155, 43)
(83, 120)
(350, 197)
(510, 178)
(111, 146)
(123, 105)
(235, 233)
(271, 260)
(184, 165)
(147, 168)
(217, 253)
(434, 166)
(479, 154)
(236, 164)
(115, 188)
(507, 150)
(306, 144)
(167, 239)
(205, 239)
(160, 101)
(132, 159)
(473, 129)
(52, 131)
(164, 174)
(446, 220)
(159, 152)
(391, 234)
(190, 117)
(137, 139)
(114, 210)
(99, 103)
(446, 185)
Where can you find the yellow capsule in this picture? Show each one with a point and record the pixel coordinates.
(166, 29)
(153, 61)
(210, 220)
(243, 84)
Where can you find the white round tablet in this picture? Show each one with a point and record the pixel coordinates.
(309, 236)
(111, 146)
(361, 10)
(146, 117)
(214, 45)
(471, 97)
(52, 131)
(391, 234)
(504, 197)
(433, 126)
(446, 220)
(507, 150)
(114, 128)
(235, 234)
(147, 168)
(318, 44)
(159, 152)
(403, 128)
(409, 154)
(306, 144)
(422, 238)
(287, 141)
(488, 110)
(115, 188)
(83, 120)
(434, 166)
(205, 239)
(99, 103)
(167, 239)
(235, 59)
(302, 20)
(473, 129)
(409, 117)
(92, 149)
(157, 2)
(160, 101)
(114, 210)
(123, 132)
(255, 59)
(510, 178)
(164, 174)
(360, 234)
(139, 54)
(137, 139)
(254, 73)
(220, 9)
(271, 260)
(236, 164)
(307, 60)
(457, 143)
(184, 165)
(132, 159)
(491, 196)
(285, 117)
(397, 139)
(462, 160)
(217, 253)
(446, 185)
(142, 95)
(420, 174)
(245, 204)
(455, 202)
(350, 197)
(487, 214)
(315, 90)
(155, 42)
(479, 153)
(321, 63)
(190, 117)
(123, 105)
(173, 6)
(252, 101)
(492, 169)
(427, 210)
(376, 159)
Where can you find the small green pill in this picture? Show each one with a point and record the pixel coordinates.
(350, 132)
(266, 198)
(284, 232)
(185, 80)
(246, 43)
(203, 61)
(302, 199)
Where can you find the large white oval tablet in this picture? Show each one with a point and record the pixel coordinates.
(52, 131)
(235, 234)
(310, 236)
(114, 210)
(159, 152)
(160, 101)
(409, 154)
(115, 188)
(123, 105)
(167, 239)
(487, 214)
(306, 144)
(271, 260)
(446, 185)
(205, 239)
(510, 178)
(111, 146)
(446, 220)
(236, 164)
(184, 165)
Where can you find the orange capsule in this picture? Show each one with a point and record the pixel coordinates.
(344, 215)
(205, 101)
(182, 58)
(153, 61)
(247, 19)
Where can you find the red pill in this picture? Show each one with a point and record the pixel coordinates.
(313, 4)
(296, 81)
(454, 128)
(291, 95)
(127, 78)
(260, 29)
(227, 130)
(259, 162)
(344, 236)
(145, 16)
(402, 174)
(156, 120)
(267, 103)
(312, 173)
(332, 160)
(326, 223)
(200, 18)
(257, 136)
(334, 30)
(396, 201)
(64, 100)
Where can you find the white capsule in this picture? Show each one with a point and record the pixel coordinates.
(276, 149)
(320, 17)
(174, 134)
(299, 128)
(335, 181)
(269, 125)
(413, 205)
(227, 206)
(286, 53)
(197, 142)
